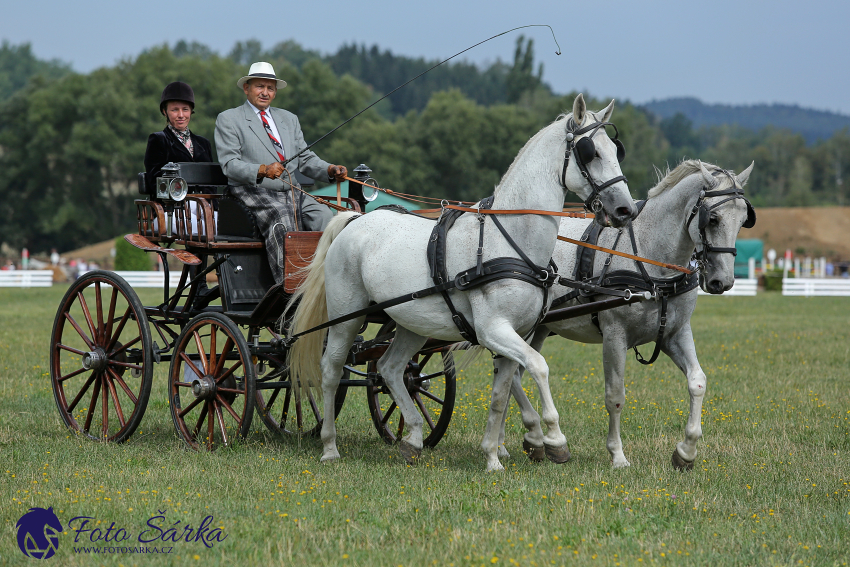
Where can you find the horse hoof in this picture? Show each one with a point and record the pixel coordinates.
(558, 455)
(681, 464)
(409, 453)
(535, 454)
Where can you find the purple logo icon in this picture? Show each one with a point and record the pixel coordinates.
(38, 533)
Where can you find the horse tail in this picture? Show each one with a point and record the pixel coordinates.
(305, 355)
(471, 354)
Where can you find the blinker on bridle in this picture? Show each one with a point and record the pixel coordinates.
(585, 152)
(703, 210)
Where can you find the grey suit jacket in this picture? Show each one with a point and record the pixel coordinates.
(243, 145)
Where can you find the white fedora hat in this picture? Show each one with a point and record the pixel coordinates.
(261, 70)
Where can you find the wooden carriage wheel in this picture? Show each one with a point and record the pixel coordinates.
(432, 388)
(278, 407)
(211, 383)
(101, 358)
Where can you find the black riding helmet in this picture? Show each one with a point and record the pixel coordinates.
(177, 91)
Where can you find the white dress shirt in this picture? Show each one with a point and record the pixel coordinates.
(269, 119)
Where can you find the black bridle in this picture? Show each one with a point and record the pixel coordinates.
(585, 152)
(703, 209)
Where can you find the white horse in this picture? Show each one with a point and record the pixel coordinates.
(382, 255)
(668, 229)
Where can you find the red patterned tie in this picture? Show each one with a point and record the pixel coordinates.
(275, 143)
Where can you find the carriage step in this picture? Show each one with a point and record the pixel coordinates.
(143, 243)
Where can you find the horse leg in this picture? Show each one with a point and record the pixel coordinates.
(532, 443)
(340, 339)
(680, 348)
(614, 362)
(501, 338)
(392, 366)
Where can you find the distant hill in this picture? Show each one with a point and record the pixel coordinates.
(814, 125)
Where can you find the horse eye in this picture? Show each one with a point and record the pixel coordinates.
(714, 221)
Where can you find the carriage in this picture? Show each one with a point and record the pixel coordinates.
(225, 359)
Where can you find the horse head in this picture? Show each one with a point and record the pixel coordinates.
(592, 165)
(719, 214)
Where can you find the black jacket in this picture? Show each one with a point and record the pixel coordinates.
(164, 147)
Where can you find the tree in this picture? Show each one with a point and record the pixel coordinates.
(521, 78)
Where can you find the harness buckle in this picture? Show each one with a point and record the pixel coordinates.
(596, 205)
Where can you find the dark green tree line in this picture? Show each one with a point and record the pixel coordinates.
(71, 144)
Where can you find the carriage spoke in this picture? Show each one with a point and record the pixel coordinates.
(114, 395)
(104, 405)
(212, 364)
(424, 361)
(428, 394)
(77, 328)
(191, 365)
(228, 346)
(200, 418)
(110, 318)
(114, 375)
(125, 347)
(201, 353)
(230, 390)
(82, 392)
(424, 411)
(229, 372)
(285, 412)
(400, 428)
(299, 418)
(229, 409)
(92, 404)
(220, 419)
(70, 349)
(120, 328)
(316, 413)
(210, 427)
(71, 375)
(389, 412)
(429, 377)
(98, 299)
(190, 407)
(271, 401)
(125, 364)
(86, 312)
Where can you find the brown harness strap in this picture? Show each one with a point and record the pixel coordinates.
(625, 255)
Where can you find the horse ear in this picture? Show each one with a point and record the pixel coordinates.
(707, 178)
(745, 175)
(607, 112)
(579, 109)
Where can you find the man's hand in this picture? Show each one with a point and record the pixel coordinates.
(274, 170)
(337, 172)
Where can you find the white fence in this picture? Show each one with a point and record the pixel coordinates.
(811, 287)
(26, 278)
(743, 286)
(151, 279)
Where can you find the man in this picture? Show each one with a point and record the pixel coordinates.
(252, 141)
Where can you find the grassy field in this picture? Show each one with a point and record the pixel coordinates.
(771, 485)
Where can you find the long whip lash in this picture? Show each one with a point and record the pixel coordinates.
(419, 75)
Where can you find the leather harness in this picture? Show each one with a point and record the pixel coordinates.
(662, 288)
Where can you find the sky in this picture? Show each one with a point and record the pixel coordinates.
(731, 52)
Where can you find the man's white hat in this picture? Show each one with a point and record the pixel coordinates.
(261, 70)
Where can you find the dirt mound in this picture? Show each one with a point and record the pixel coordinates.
(806, 231)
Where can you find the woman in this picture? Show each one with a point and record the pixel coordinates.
(175, 143)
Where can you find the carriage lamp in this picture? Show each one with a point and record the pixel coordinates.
(359, 192)
(169, 185)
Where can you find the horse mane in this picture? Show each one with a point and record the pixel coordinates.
(681, 171)
(539, 133)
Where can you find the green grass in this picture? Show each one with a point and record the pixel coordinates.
(771, 485)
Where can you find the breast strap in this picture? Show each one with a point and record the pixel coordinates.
(522, 269)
